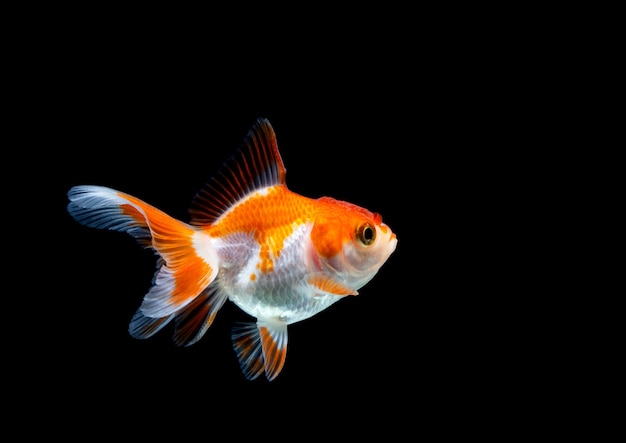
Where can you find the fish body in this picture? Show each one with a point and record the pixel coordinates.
(279, 256)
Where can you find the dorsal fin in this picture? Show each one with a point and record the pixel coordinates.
(256, 164)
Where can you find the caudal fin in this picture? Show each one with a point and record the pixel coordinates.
(104, 208)
(186, 267)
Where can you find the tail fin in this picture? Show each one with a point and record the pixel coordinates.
(191, 322)
(187, 263)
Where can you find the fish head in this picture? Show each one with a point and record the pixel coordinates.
(351, 242)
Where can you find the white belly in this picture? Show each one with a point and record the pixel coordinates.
(281, 293)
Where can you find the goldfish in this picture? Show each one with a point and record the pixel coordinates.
(279, 256)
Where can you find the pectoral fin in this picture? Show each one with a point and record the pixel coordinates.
(323, 283)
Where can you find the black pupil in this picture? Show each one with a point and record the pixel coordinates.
(368, 233)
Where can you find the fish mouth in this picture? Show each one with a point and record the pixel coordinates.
(393, 242)
(392, 235)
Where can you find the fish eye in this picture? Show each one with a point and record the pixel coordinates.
(366, 234)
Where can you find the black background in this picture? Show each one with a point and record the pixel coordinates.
(420, 132)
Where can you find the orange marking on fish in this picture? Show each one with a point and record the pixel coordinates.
(334, 225)
(327, 238)
(174, 242)
(281, 209)
(265, 263)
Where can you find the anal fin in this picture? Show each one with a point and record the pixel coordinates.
(260, 348)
